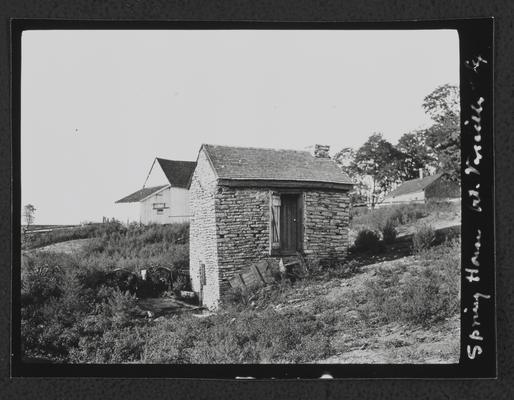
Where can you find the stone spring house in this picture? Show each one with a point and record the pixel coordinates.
(166, 199)
(250, 204)
(430, 188)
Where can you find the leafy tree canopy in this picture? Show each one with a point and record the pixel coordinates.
(443, 138)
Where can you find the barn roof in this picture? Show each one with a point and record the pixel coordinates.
(414, 185)
(258, 164)
(140, 194)
(178, 173)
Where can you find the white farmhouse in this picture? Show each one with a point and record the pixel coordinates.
(164, 198)
(424, 189)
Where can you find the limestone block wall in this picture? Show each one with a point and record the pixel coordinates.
(202, 234)
(243, 223)
(243, 220)
(326, 221)
(230, 229)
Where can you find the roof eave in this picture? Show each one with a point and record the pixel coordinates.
(291, 184)
(154, 193)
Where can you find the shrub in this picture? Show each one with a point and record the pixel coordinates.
(423, 238)
(389, 232)
(42, 275)
(367, 240)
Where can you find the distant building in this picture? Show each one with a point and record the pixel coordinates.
(430, 188)
(254, 204)
(167, 200)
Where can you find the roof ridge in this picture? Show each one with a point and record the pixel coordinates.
(167, 159)
(425, 177)
(254, 148)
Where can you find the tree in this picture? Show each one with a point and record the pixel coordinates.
(442, 105)
(29, 212)
(382, 162)
(345, 158)
(417, 155)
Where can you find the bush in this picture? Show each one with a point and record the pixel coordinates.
(42, 275)
(423, 238)
(389, 232)
(367, 240)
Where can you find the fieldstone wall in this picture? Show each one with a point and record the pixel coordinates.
(230, 229)
(326, 221)
(202, 234)
(243, 221)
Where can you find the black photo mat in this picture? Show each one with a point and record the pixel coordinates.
(478, 335)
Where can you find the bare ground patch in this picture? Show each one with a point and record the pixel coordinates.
(68, 247)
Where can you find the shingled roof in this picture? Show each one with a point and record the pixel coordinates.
(414, 185)
(178, 172)
(248, 163)
(140, 194)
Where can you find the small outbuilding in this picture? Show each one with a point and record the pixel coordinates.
(166, 199)
(430, 188)
(253, 204)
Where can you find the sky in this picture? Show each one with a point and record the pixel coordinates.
(98, 106)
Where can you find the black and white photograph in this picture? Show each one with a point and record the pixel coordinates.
(274, 196)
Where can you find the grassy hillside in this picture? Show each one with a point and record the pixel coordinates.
(395, 302)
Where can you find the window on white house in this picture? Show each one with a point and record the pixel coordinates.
(159, 208)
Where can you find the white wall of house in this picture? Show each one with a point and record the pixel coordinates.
(170, 205)
(404, 198)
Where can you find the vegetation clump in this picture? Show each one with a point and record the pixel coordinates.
(428, 293)
(389, 232)
(423, 238)
(367, 240)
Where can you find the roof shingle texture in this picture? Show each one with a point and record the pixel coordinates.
(178, 172)
(272, 164)
(414, 185)
(140, 194)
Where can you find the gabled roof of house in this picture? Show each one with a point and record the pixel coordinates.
(258, 164)
(414, 185)
(140, 194)
(178, 173)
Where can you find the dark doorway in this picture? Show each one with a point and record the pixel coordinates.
(290, 224)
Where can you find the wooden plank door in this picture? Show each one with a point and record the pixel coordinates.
(289, 224)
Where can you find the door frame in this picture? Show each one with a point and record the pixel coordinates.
(300, 198)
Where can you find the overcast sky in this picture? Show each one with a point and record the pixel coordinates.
(98, 106)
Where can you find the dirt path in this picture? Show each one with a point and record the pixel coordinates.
(68, 247)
